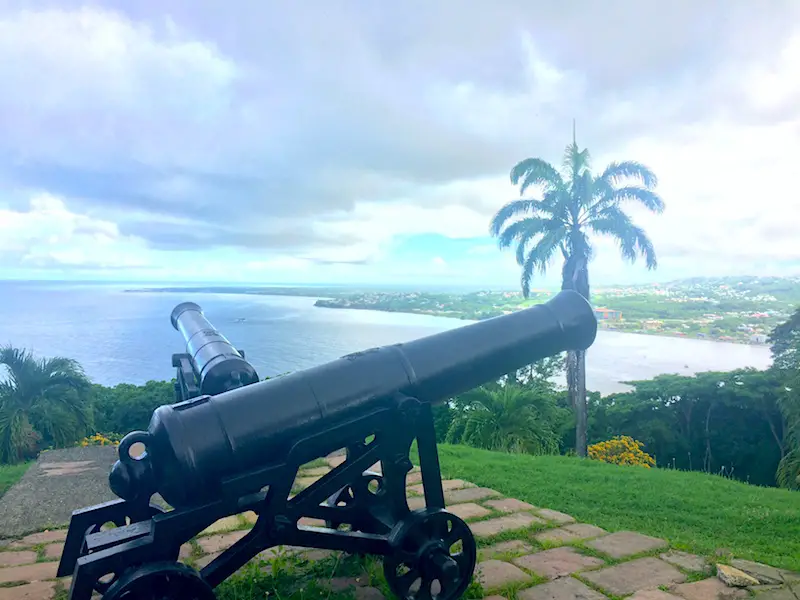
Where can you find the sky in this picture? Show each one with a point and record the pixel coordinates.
(365, 142)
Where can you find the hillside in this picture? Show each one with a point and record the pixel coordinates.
(693, 511)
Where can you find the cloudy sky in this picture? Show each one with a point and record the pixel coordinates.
(356, 141)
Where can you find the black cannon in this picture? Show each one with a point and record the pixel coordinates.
(210, 456)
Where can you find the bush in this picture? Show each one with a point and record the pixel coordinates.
(621, 450)
(101, 439)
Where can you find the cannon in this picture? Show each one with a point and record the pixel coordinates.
(233, 444)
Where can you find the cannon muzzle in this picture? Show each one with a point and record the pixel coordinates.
(218, 365)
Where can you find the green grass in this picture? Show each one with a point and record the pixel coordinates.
(11, 474)
(695, 512)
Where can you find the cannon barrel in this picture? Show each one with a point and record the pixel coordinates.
(192, 446)
(219, 366)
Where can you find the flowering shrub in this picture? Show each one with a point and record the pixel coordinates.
(100, 439)
(621, 450)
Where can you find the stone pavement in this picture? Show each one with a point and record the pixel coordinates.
(525, 553)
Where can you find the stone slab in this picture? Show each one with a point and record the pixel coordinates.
(686, 561)
(626, 543)
(412, 478)
(468, 495)
(653, 595)
(733, 577)
(53, 550)
(304, 482)
(501, 524)
(43, 537)
(509, 505)
(468, 510)
(565, 588)
(417, 502)
(40, 590)
(35, 572)
(220, 542)
(224, 524)
(555, 516)
(764, 573)
(779, 593)
(509, 547)
(570, 533)
(630, 577)
(557, 562)
(447, 485)
(20, 557)
(496, 573)
(708, 589)
(316, 472)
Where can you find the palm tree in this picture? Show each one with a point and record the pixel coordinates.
(40, 400)
(508, 418)
(572, 205)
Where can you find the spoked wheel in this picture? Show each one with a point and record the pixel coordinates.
(160, 581)
(435, 557)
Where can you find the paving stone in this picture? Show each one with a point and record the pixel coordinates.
(509, 547)
(708, 589)
(494, 597)
(557, 562)
(509, 505)
(309, 522)
(468, 510)
(225, 524)
(565, 588)
(335, 461)
(629, 577)
(626, 543)
(495, 573)
(317, 554)
(44, 537)
(570, 533)
(686, 561)
(412, 478)
(35, 572)
(205, 560)
(501, 524)
(53, 550)
(21, 557)
(468, 495)
(219, 542)
(316, 472)
(304, 482)
(250, 516)
(416, 502)
(40, 590)
(734, 577)
(555, 516)
(185, 551)
(653, 595)
(447, 485)
(764, 573)
(779, 593)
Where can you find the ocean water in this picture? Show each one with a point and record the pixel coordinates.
(120, 336)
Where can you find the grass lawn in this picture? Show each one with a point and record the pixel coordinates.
(10, 474)
(695, 512)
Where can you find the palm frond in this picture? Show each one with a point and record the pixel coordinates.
(527, 227)
(647, 198)
(511, 210)
(618, 172)
(539, 257)
(535, 171)
(633, 241)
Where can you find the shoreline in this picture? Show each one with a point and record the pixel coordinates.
(329, 301)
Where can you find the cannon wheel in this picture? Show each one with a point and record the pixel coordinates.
(160, 581)
(435, 557)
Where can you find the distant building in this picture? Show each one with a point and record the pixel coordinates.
(652, 324)
(758, 338)
(606, 314)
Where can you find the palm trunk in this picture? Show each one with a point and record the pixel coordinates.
(576, 277)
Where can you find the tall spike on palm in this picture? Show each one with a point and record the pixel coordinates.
(569, 206)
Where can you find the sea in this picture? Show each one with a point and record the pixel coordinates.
(120, 336)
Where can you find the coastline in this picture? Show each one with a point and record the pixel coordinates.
(331, 298)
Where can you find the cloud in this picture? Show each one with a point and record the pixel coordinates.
(300, 140)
